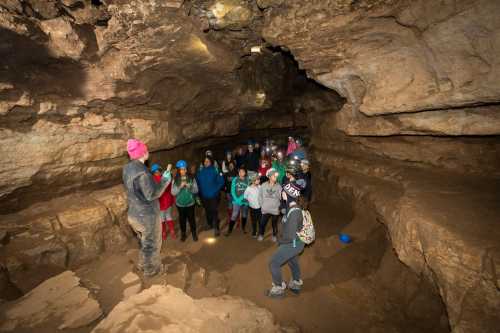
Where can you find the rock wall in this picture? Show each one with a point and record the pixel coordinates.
(405, 67)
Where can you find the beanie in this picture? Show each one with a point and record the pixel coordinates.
(136, 149)
(271, 172)
(292, 190)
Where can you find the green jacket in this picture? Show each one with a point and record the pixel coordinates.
(238, 187)
(184, 197)
(280, 167)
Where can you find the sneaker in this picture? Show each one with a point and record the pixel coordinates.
(295, 286)
(254, 235)
(274, 239)
(260, 238)
(276, 291)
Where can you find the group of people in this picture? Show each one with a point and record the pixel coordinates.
(261, 182)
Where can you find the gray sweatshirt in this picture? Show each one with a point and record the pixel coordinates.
(270, 198)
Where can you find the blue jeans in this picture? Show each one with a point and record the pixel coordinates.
(148, 230)
(286, 253)
(236, 211)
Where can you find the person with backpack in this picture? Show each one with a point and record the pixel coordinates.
(240, 204)
(291, 243)
(166, 204)
(269, 200)
(143, 205)
(252, 196)
(210, 182)
(184, 189)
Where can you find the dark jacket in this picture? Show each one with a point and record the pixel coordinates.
(252, 161)
(291, 224)
(210, 182)
(142, 191)
(228, 178)
(307, 191)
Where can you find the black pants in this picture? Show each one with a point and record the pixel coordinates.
(263, 223)
(211, 211)
(187, 214)
(256, 215)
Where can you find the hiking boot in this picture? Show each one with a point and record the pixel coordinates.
(260, 238)
(295, 286)
(274, 239)
(276, 291)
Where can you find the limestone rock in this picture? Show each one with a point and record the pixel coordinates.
(168, 309)
(64, 41)
(59, 302)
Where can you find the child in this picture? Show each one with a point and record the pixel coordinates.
(290, 246)
(306, 193)
(166, 203)
(240, 204)
(279, 165)
(291, 146)
(184, 189)
(252, 196)
(269, 200)
(264, 166)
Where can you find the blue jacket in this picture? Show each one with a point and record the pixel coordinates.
(142, 191)
(210, 182)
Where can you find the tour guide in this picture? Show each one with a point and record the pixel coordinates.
(143, 205)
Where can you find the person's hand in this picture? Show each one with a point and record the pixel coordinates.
(167, 175)
(183, 184)
(169, 167)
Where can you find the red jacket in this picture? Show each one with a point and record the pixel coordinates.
(166, 199)
(263, 170)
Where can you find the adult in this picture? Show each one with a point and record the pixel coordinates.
(210, 183)
(252, 158)
(143, 205)
(184, 189)
(228, 159)
(291, 146)
(299, 153)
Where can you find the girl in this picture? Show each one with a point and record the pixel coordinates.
(269, 200)
(184, 189)
(238, 187)
(166, 204)
(228, 178)
(290, 246)
(252, 196)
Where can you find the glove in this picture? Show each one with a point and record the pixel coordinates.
(166, 176)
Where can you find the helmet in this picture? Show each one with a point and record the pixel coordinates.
(181, 164)
(292, 166)
(208, 153)
(155, 167)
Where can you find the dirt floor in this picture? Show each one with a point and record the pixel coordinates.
(356, 287)
(359, 287)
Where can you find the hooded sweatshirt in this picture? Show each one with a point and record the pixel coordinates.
(238, 188)
(209, 182)
(270, 198)
(252, 196)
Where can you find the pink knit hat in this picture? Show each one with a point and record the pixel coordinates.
(136, 149)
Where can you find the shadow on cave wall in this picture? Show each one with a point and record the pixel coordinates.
(28, 66)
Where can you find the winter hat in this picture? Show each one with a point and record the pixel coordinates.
(304, 162)
(271, 172)
(292, 190)
(155, 167)
(136, 149)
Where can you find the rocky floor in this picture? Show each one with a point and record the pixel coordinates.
(350, 288)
